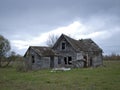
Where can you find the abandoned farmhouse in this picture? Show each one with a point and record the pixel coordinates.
(66, 52)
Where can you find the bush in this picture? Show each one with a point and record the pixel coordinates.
(21, 66)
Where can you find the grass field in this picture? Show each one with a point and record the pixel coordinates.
(101, 78)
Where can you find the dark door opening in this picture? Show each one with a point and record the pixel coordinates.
(51, 62)
(33, 59)
(69, 60)
(91, 61)
(85, 61)
(65, 60)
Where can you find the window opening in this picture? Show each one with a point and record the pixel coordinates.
(33, 59)
(63, 45)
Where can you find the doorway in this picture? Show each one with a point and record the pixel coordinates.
(51, 62)
(91, 62)
(65, 60)
(85, 61)
(33, 59)
(69, 60)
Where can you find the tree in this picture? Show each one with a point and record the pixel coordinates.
(51, 40)
(4, 47)
(12, 57)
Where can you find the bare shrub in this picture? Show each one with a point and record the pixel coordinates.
(21, 66)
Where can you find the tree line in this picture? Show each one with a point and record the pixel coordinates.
(112, 56)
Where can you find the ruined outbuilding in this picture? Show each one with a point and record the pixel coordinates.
(66, 52)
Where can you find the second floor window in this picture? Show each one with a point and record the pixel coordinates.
(63, 45)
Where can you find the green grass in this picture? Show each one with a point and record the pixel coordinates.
(101, 78)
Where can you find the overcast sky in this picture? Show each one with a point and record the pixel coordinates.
(29, 22)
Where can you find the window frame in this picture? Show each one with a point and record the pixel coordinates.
(68, 60)
(63, 45)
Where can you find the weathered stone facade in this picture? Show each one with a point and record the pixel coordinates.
(66, 52)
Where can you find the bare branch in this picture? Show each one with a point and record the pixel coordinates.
(51, 40)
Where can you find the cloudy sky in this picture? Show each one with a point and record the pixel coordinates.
(29, 22)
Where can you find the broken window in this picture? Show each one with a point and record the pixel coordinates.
(63, 45)
(68, 60)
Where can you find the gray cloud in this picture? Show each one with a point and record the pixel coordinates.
(49, 11)
(25, 19)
